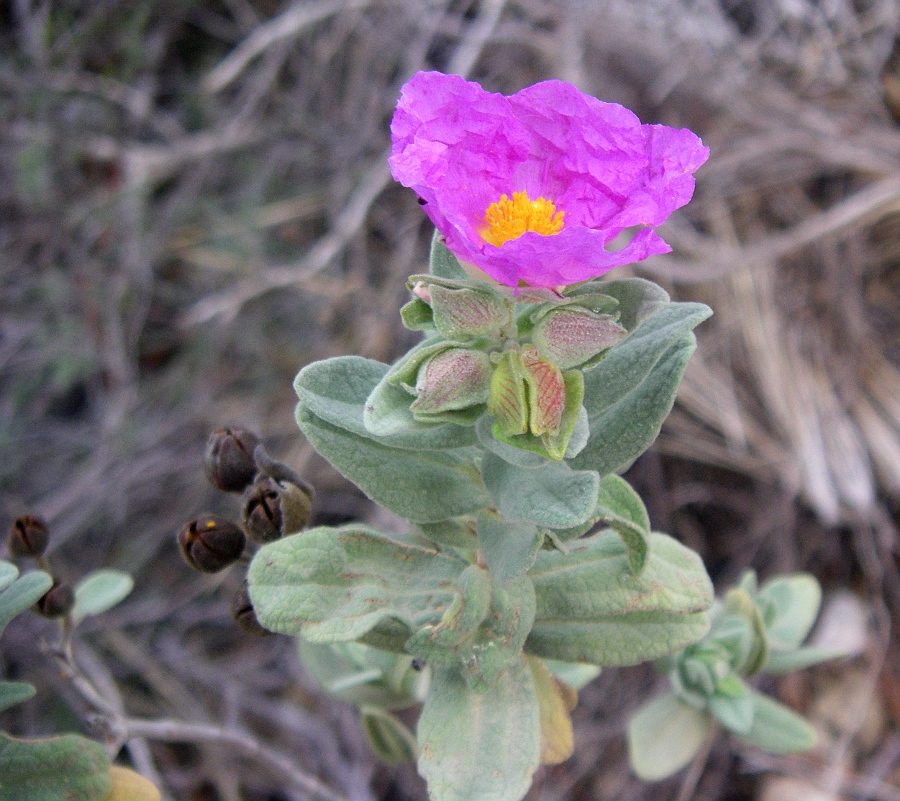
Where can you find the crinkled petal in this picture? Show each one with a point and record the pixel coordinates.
(461, 148)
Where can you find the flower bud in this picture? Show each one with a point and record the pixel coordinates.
(229, 458)
(508, 402)
(546, 392)
(211, 544)
(570, 337)
(57, 601)
(28, 537)
(244, 615)
(273, 508)
(461, 314)
(456, 378)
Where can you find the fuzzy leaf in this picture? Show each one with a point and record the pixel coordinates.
(664, 735)
(799, 658)
(68, 768)
(100, 591)
(734, 713)
(338, 584)
(483, 746)
(592, 608)
(554, 495)
(777, 729)
(422, 486)
(790, 605)
(21, 594)
(336, 391)
(14, 692)
(631, 391)
(8, 574)
(508, 548)
(621, 508)
(637, 298)
(575, 675)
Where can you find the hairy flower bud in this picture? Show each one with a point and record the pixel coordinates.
(210, 544)
(570, 337)
(244, 615)
(28, 537)
(57, 601)
(273, 508)
(463, 314)
(456, 378)
(229, 458)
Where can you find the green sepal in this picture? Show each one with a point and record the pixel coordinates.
(14, 692)
(552, 496)
(664, 735)
(483, 745)
(573, 336)
(454, 380)
(468, 313)
(508, 401)
(592, 608)
(67, 768)
(417, 315)
(338, 584)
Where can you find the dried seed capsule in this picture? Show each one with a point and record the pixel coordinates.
(28, 537)
(244, 615)
(229, 458)
(57, 601)
(210, 544)
(273, 508)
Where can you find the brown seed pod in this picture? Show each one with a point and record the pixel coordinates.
(273, 508)
(210, 544)
(229, 458)
(28, 536)
(57, 601)
(244, 615)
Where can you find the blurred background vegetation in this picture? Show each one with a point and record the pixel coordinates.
(195, 203)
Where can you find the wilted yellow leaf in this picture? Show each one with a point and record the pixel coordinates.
(130, 786)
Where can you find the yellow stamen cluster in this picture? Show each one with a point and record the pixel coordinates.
(509, 219)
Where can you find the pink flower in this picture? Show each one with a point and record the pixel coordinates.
(532, 188)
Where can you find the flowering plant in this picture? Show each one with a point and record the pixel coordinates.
(527, 562)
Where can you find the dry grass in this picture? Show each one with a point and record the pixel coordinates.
(195, 203)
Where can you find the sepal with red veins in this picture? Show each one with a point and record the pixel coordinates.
(452, 380)
(508, 400)
(574, 337)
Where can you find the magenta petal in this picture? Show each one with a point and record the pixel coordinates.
(460, 148)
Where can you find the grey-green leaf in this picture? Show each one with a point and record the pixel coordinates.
(790, 605)
(338, 584)
(8, 574)
(422, 486)
(664, 735)
(336, 391)
(21, 594)
(553, 495)
(100, 591)
(638, 299)
(621, 508)
(508, 548)
(734, 713)
(14, 692)
(778, 729)
(483, 746)
(799, 658)
(592, 608)
(68, 768)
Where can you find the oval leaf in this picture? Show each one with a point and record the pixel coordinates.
(778, 729)
(8, 574)
(337, 584)
(480, 745)
(100, 591)
(21, 594)
(14, 692)
(127, 785)
(664, 736)
(68, 768)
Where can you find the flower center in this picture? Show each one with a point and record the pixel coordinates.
(509, 219)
